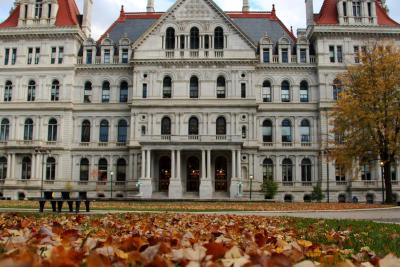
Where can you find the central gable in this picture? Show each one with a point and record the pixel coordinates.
(201, 12)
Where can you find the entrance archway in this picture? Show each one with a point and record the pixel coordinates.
(221, 174)
(165, 174)
(193, 175)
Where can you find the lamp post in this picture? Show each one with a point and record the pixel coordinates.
(327, 175)
(251, 185)
(383, 184)
(111, 190)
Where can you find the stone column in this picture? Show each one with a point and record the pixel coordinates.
(130, 168)
(209, 164)
(233, 164)
(203, 165)
(148, 164)
(13, 166)
(173, 173)
(239, 166)
(33, 166)
(135, 167)
(146, 187)
(178, 167)
(8, 166)
(143, 167)
(206, 189)
(175, 189)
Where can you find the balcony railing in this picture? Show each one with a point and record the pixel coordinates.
(190, 138)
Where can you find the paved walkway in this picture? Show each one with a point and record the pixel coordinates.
(387, 215)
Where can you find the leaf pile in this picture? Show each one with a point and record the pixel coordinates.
(169, 240)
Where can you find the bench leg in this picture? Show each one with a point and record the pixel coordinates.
(54, 206)
(41, 206)
(77, 206)
(87, 204)
(70, 206)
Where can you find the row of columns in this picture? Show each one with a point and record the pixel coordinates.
(236, 164)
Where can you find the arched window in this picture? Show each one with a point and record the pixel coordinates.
(267, 91)
(170, 38)
(194, 87)
(194, 38)
(305, 131)
(4, 130)
(28, 130)
(55, 91)
(87, 93)
(52, 130)
(285, 91)
(304, 92)
(51, 169)
(167, 87)
(267, 131)
(123, 92)
(221, 87)
(38, 9)
(306, 170)
(122, 131)
(26, 168)
(219, 38)
(193, 126)
(286, 131)
(166, 126)
(85, 132)
(221, 126)
(244, 132)
(8, 91)
(31, 91)
(287, 170)
(365, 169)
(3, 168)
(105, 92)
(121, 170)
(84, 170)
(337, 89)
(268, 170)
(104, 127)
(103, 170)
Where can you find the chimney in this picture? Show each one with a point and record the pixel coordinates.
(246, 6)
(150, 6)
(87, 17)
(310, 12)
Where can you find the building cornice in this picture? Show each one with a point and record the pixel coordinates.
(41, 32)
(185, 62)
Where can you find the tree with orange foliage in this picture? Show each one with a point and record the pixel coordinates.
(367, 113)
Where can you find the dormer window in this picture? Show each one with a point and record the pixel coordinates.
(125, 58)
(356, 8)
(285, 55)
(107, 55)
(89, 55)
(303, 55)
(38, 9)
(266, 55)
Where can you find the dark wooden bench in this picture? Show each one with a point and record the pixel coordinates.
(57, 204)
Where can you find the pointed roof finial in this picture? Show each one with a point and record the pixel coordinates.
(122, 14)
(273, 9)
(150, 6)
(246, 6)
(291, 29)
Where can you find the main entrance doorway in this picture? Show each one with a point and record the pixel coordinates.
(193, 175)
(221, 174)
(164, 174)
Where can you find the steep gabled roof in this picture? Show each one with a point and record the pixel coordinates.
(68, 15)
(329, 14)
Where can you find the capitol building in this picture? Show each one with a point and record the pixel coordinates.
(192, 103)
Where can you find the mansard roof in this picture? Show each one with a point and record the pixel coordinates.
(254, 24)
(68, 15)
(329, 14)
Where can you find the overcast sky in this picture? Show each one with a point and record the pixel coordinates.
(291, 12)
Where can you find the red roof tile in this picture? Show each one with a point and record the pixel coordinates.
(329, 14)
(12, 20)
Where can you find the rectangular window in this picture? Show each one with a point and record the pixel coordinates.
(339, 52)
(6, 56)
(37, 55)
(25, 11)
(30, 55)
(332, 56)
(53, 55)
(125, 58)
(266, 94)
(89, 55)
(285, 55)
(243, 90)
(107, 56)
(356, 9)
(182, 42)
(49, 11)
(14, 56)
(345, 9)
(369, 6)
(266, 55)
(60, 55)
(144, 91)
(303, 55)
(356, 54)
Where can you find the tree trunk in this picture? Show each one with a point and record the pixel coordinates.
(388, 183)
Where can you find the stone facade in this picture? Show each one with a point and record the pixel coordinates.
(191, 103)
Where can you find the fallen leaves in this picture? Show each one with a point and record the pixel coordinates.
(169, 240)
